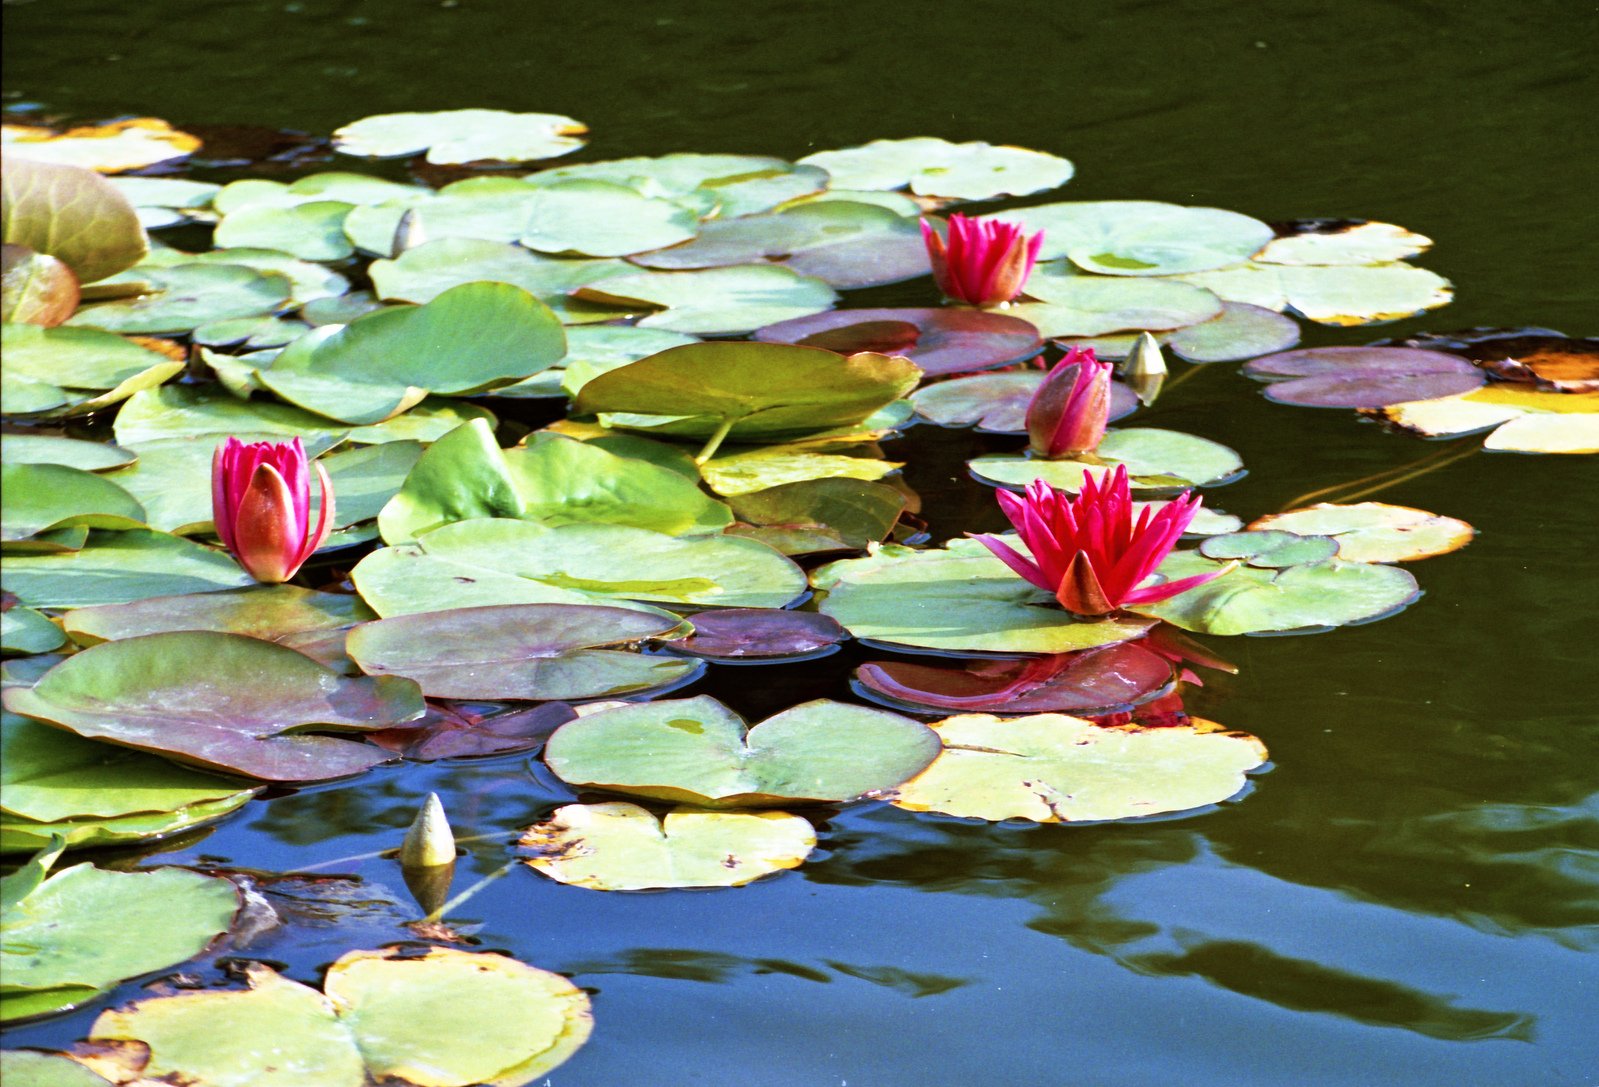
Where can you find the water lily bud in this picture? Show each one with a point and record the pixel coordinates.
(984, 262)
(1145, 369)
(408, 233)
(261, 504)
(1068, 413)
(429, 842)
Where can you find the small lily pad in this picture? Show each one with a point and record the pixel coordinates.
(1154, 458)
(1342, 241)
(933, 167)
(727, 186)
(714, 301)
(1362, 377)
(49, 449)
(601, 219)
(856, 513)
(36, 288)
(246, 719)
(310, 231)
(185, 296)
(940, 340)
(1069, 303)
(120, 567)
(623, 847)
(521, 651)
(1051, 768)
(1241, 331)
(109, 148)
(1367, 531)
(1343, 295)
(457, 136)
(765, 468)
(269, 612)
(739, 634)
(1546, 434)
(24, 630)
(697, 751)
(1271, 549)
(41, 497)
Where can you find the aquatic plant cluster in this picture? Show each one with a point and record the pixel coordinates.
(269, 521)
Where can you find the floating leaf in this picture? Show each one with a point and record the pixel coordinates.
(308, 282)
(1140, 237)
(185, 296)
(172, 479)
(764, 468)
(1562, 363)
(246, 718)
(697, 751)
(1095, 681)
(520, 651)
(939, 340)
(1250, 600)
(623, 847)
(746, 391)
(602, 219)
(120, 567)
(592, 350)
(855, 512)
(959, 599)
(714, 301)
(1342, 241)
(310, 231)
(1241, 332)
(23, 630)
(1547, 434)
(935, 167)
(1072, 304)
(1154, 458)
(49, 449)
(997, 403)
(1051, 768)
(67, 371)
(1362, 377)
(109, 148)
(498, 561)
(30, 1068)
(67, 936)
(727, 186)
(1271, 549)
(1370, 531)
(738, 634)
(336, 185)
(42, 497)
(36, 289)
(462, 135)
(452, 732)
(1342, 295)
(270, 612)
(71, 214)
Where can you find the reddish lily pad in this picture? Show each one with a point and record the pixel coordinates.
(1109, 679)
(940, 341)
(520, 651)
(997, 403)
(759, 634)
(455, 730)
(1362, 377)
(1563, 363)
(269, 612)
(222, 701)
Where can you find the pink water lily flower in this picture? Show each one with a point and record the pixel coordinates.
(984, 262)
(261, 503)
(1089, 551)
(1068, 413)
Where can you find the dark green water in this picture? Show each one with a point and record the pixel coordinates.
(1411, 896)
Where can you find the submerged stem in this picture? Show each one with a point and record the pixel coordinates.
(337, 861)
(714, 442)
(1388, 477)
(456, 902)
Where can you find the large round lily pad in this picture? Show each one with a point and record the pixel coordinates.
(1154, 458)
(726, 186)
(713, 301)
(1241, 331)
(1052, 768)
(184, 296)
(602, 219)
(1374, 531)
(622, 847)
(959, 598)
(455, 136)
(1141, 237)
(248, 717)
(933, 167)
(940, 340)
(521, 651)
(1362, 377)
(67, 940)
(1355, 294)
(1069, 303)
(696, 751)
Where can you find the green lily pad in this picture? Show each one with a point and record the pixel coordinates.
(167, 193)
(746, 391)
(857, 512)
(73, 358)
(120, 567)
(23, 630)
(1344, 241)
(726, 186)
(846, 245)
(997, 403)
(310, 231)
(592, 350)
(1051, 768)
(190, 412)
(455, 136)
(250, 333)
(184, 296)
(30, 1068)
(72, 214)
(480, 562)
(427, 271)
(622, 847)
(697, 751)
(1141, 237)
(1270, 549)
(935, 167)
(1241, 331)
(41, 497)
(19, 835)
(1251, 600)
(762, 468)
(308, 282)
(602, 219)
(483, 208)
(1072, 304)
(521, 651)
(1154, 458)
(269, 612)
(958, 598)
(366, 478)
(335, 185)
(554, 480)
(714, 301)
(49, 449)
(1374, 531)
(1342, 295)
(246, 718)
(70, 931)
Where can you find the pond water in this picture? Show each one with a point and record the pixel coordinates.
(1410, 895)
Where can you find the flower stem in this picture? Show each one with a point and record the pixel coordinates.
(1388, 477)
(456, 902)
(714, 442)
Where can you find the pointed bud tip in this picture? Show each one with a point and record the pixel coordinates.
(429, 840)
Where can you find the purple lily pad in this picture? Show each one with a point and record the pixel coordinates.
(759, 633)
(946, 341)
(1362, 377)
(1094, 681)
(456, 730)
